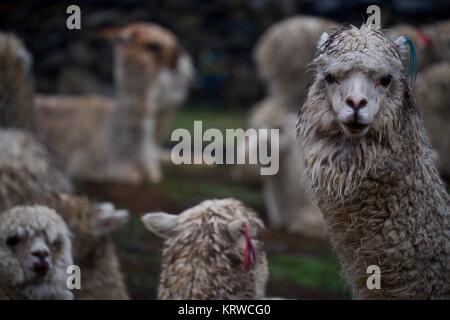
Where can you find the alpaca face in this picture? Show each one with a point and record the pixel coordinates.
(356, 98)
(144, 49)
(35, 247)
(359, 74)
(354, 103)
(33, 255)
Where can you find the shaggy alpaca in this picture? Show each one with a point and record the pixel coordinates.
(28, 177)
(35, 252)
(211, 252)
(285, 73)
(98, 138)
(433, 95)
(286, 201)
(368, 163)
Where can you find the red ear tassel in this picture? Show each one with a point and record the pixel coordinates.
(425, 40)
(249, 251)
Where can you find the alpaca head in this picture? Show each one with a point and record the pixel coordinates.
(358, 102)
(16, 93)
(35, 250)
(361, 74)
(142, 51)
(90, 224)
(221, 237)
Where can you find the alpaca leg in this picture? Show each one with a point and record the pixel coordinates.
(272, 207)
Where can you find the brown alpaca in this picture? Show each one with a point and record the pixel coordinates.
(211, 252)
(99, 138)
(27, 177)
(368, 163)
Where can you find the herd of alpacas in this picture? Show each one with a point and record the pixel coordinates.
(356, 165)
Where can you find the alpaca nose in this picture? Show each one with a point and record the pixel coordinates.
(356, 102)
(41, 254)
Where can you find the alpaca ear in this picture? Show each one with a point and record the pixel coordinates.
(162, 224)
(323, 38)
(173, 56)
(116, 35)
(107, 219)
(402, 44)
(235, 228)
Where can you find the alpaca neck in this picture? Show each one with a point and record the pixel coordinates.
(133, 119)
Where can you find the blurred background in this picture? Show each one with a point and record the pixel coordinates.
(220, 36)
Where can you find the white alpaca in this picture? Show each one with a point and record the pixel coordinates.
(211, 251)
(368, 163)
(35, 252)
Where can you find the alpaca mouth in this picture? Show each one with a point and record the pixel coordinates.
(355, 128)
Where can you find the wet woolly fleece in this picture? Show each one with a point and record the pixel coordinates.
(381, 195)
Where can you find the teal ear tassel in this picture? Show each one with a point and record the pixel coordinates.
(412, 67)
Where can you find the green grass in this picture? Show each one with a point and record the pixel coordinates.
(185, 191)
(308, 272)
(212, 118)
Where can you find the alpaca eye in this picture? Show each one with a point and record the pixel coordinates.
(13, 241)
(57, 243)
(384, 81)
(329, 78)
(153, 47)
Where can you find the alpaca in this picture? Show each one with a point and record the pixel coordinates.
(28, 177)
(117, 139)
(286, 74)
(368, 163)
(433, 95)
(35, 252)
(211, 251)
(286, 201)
